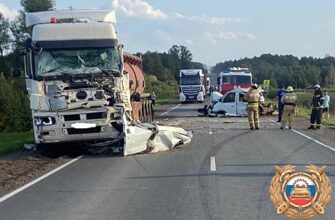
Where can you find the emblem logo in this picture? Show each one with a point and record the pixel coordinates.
(300, 194)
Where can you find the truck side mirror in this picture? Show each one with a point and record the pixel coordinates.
(218, 81)
(120, 46)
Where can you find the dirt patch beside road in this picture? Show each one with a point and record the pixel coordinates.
(20, 168)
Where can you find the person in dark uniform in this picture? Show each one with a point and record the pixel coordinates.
(280, 94)
(317, 102)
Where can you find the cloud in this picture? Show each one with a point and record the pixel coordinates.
(208, 20)
(138, 8)
(215, 38)
(8, 12)
(142, 9)
(189, 42)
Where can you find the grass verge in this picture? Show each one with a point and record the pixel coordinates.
(11, 142)
(163, 101)
(306, 113)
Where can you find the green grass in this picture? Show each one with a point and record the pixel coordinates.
(304, 102)
(304, 110)
(306, 113)
(11, 142)
(163, 101)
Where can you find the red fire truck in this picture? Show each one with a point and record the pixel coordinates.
(233, 78)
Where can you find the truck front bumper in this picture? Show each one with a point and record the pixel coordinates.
(81, 125)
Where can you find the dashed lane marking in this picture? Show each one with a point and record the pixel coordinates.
(9, 195)
(164, 113)
(212, 164)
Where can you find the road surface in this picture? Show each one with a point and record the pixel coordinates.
(224, 173)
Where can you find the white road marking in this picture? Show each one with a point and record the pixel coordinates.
(212, 164)
(164, 113)
(310, 138)
(9, 195)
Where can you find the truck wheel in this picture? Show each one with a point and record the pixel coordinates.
(149, 108)
(47, 150)
(147, 111)
(144, 111)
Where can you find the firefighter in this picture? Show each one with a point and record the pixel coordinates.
(252, 98)
(317, 102)
(289, 100)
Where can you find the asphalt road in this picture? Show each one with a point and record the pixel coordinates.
(182, 183)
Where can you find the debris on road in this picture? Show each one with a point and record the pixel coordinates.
(29, 147)
(146, 138)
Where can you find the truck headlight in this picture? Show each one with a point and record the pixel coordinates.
(45, 121)
(38, 122)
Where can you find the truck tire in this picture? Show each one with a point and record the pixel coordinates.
(47, 150)
(149, 109)
(144, 111)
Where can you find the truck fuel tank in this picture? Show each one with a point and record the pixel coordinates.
(133, 66)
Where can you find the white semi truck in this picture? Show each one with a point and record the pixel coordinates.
(191, 85)
(79, 81)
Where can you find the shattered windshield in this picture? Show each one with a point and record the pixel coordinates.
(55, 62)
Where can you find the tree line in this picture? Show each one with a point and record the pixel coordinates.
(14, 105)
(162, 69)
(165, 66)
(285, 70)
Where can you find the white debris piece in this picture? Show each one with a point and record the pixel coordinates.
(142, 138)
(169, 137)
(30, 147)
(136, 140)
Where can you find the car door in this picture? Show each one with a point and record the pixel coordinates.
(227, 104)
(241, 105)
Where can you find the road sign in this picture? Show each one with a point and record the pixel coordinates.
(266, 82)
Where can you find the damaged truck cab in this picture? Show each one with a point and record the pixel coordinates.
(77, 85)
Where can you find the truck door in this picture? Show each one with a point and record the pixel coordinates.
(241, 105)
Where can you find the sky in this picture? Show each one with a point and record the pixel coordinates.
(217, 30)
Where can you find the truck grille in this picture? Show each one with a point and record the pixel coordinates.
(190, 91)
(89, 116)
(72, 117)
(97, 115)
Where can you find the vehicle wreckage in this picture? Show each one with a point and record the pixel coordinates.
(83, 88)
(233, 104)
